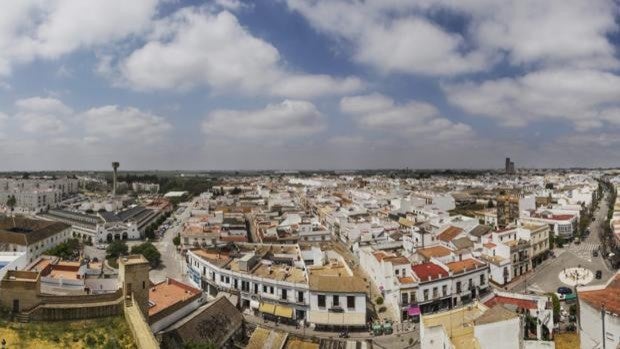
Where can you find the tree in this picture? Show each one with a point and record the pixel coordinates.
(490, 204)
(176, 240)
(556, 306)
(66, 250)
(150, 252)
(116, 249)
(11, 202)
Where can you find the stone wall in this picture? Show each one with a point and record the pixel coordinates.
(61, 312)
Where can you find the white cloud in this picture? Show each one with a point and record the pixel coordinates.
(129, 123)
(581, 96)
(194, 47)
(291, 119)
(232, 5)
(413, 119)
(397, 35)
(42, 115)
(43, 105)
(50, 29)
(389, 37)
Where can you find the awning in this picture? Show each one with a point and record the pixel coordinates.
(267, 308)
(413, 310)
(254, 304)
(337, 319)
(283, 311)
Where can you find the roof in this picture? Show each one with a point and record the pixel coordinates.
(462, 243)
(516, 302)
(435, 251)
(495, 314)
(268, 339)
(429, 271)
(464, 265)
(27, 231)
(213, 322)
(168, 293)
(319, 279)
(480, 230)
(449, 233)
(607, 296)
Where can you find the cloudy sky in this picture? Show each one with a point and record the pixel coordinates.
(292, 84)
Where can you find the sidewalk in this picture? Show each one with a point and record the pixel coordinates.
(309, 332)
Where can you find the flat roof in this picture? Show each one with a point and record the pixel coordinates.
(458, 324)
(168, 293)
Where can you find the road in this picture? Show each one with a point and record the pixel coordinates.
(173, 264)
(545, 277)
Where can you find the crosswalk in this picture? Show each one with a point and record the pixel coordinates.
(584, 250)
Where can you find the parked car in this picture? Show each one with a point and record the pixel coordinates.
(564, 290)
(594, 253)
(577, 241)
(599, 274)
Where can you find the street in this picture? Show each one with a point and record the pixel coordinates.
(545, 278)
(172, 263)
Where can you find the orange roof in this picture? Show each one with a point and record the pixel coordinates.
(464, 265)
(450, 233)
(489, 245)
(520, 303)
(168, 293)
(608, 296)
(406, 280)
(435, 251)
(392, 258)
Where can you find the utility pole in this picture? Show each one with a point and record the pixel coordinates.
(603, 323)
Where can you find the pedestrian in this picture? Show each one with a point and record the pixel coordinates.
(3, 343)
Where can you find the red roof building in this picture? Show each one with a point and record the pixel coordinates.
(429, 271)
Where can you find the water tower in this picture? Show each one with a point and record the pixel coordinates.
(115, 166)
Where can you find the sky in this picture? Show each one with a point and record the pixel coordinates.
(308, 84)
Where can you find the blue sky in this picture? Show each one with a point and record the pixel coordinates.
(302, 84)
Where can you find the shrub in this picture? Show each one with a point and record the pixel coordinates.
(379, 300)
(382, 309)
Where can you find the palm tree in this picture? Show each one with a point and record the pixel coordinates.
(11, 202)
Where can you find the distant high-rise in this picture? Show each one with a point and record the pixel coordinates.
(115, 166)
(509, 166)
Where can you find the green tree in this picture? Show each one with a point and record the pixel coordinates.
(66, 250)
(150, 252)
(555, 301)
(11, 202)
(176, 240)
(116, 249)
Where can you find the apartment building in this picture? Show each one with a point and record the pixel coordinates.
(283, 282)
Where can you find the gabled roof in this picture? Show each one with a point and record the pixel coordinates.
(28, 231)
(607, 296)
(480, 230)
(462, 243)
(435, 251)
(449, 233)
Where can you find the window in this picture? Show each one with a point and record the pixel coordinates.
(264, 289)
(458, 287)
(351, 302)
(397, 271)
(300, 296)
(435, 292)
(321, 301)
(271, 289)
(335, 301)
(481, 279)
(444, 290)
(284, 294)
(471, 283)
(425, 295)
(405, 298)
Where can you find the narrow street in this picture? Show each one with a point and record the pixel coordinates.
(173, 264)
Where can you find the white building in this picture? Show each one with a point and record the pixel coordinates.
(31, 236)
(599, 307)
